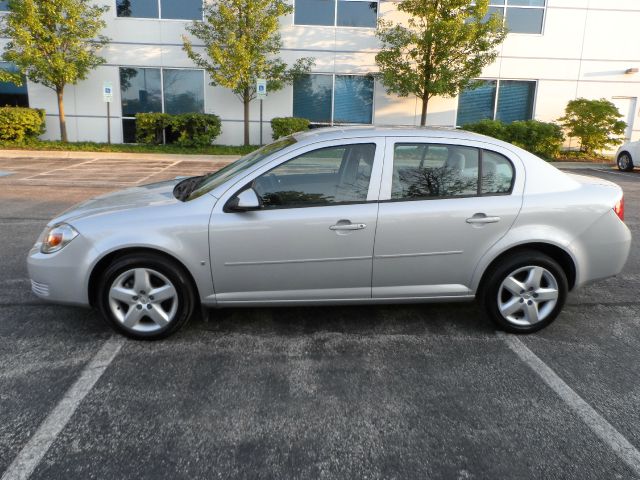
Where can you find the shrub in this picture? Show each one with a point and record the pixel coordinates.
(596, 123)
(150, 127)
(491, 128)
(195, 129)
(284, 126)
(185, 130)
(18, 124)
(540, 138)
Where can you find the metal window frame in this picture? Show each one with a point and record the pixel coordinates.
(335, 16)
(333, 96)
(497, 96)
(506, 6)
(162, 100)
(159, 17)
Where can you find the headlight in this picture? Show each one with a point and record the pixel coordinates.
(56, 238)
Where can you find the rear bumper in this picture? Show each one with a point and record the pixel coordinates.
(602, 250)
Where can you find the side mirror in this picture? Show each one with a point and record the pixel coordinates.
(245, 201)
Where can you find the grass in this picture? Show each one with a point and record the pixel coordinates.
(128, 148)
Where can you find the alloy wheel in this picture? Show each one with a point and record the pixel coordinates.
(143, 300)
(624, 161)
(528, 295)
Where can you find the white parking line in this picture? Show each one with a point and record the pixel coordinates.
(603, 429)
(30, 456)
(140, 182)
(609, 171)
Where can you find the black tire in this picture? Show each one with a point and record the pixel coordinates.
(172, 271)
(625, 162)
(511, 264)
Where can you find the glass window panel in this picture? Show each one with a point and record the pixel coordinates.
(526, 3)
(497, 173)
(477, 104)
(515, 100)
(137, 8)
(4, 5)
(357, 14)
(128, 130)
(320, 177)
(315, 12)
(312, 98)
(353, 102)
(525, 20)
(182, 10)
(183, 91)
(10, 93)
(424, 171)
(496, 2)
(492, 10)
(140, 90)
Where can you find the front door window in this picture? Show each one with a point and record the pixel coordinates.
(327, 176)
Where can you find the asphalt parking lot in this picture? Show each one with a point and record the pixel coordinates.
(424, 391)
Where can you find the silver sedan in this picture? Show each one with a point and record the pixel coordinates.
(340, 216)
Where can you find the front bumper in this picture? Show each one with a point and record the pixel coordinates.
(63, 276)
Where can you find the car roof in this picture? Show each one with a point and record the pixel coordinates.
(339, 133)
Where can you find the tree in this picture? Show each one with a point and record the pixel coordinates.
(595, 122)
(53, 42)
(443, 46)
(241, 43)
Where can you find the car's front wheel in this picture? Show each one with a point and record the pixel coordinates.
(145, 296)
(525, 292)
(625, 163)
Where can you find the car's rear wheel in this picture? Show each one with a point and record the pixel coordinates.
(525, 292)
(145, 296)
(625, 163)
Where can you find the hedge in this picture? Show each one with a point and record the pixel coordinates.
(540, 138)
(185, 129)
(18, 124)
(285, 126)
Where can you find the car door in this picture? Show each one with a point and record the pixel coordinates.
(443, 203)
(313, 238)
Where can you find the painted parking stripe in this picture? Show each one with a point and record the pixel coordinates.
(30, 456)
(603, 429)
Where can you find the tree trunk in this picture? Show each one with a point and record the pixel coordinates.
(63, 121)
(425, 104)
(246, 99)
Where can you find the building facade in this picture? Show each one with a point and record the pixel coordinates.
(557, 50)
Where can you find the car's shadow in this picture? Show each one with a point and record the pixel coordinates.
(444, 319)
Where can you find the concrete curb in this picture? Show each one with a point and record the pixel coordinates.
(582, 165)
(63, 154)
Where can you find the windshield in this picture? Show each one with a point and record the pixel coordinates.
(213, 180)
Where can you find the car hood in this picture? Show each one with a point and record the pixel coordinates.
(155, 194)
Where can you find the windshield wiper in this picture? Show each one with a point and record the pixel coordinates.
(183, 189)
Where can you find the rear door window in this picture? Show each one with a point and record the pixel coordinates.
(424, 171)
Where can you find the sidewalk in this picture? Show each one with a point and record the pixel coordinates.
(101, 169)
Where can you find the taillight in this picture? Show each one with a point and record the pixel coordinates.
(619, 209)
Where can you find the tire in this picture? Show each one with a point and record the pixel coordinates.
(625, 162)
(514, 289)
(140, 314)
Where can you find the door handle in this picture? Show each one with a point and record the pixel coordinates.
(481, 218)
(342, 225)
